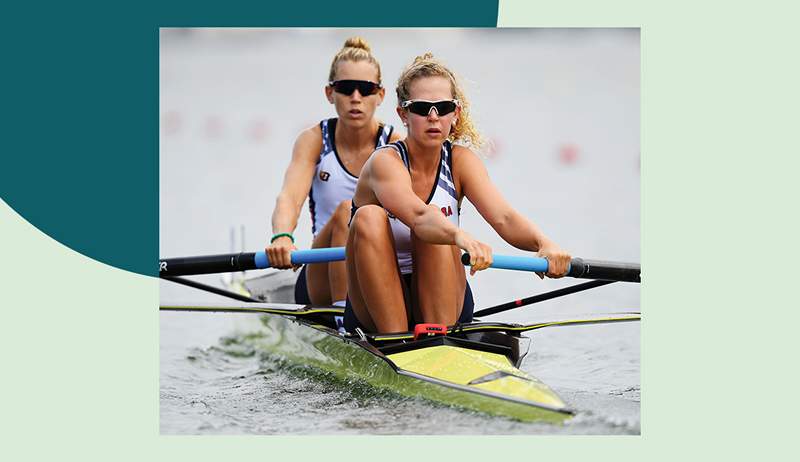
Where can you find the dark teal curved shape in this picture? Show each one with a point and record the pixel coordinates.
(80, 111)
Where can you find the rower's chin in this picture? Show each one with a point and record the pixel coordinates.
(431, 139)
(358, 121)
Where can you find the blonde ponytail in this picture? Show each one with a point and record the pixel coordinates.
(355, 49)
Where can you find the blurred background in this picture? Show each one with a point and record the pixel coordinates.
(561, 108)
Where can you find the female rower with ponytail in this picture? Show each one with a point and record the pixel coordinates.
(326, 162)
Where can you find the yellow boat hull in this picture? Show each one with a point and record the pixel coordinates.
(443, 371)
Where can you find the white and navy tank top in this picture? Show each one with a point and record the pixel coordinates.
(443, 195)
(332, 182)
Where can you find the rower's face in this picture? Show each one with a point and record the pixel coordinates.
(355, 109)
(433, 128)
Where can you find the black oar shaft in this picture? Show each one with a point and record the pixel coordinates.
(607, 270)
(206, 264)
(208, 288)
(541, 297)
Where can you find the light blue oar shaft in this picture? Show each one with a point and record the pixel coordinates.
(578, 268)
(305, 257)
(513, 262)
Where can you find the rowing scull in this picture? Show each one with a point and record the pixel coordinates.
(473, 366)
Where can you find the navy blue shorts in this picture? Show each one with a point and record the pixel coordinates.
(351, 321)
(301, 296)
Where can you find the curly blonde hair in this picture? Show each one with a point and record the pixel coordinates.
(426, 65)
(355, 49)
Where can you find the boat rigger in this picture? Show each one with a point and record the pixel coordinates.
(473, 366)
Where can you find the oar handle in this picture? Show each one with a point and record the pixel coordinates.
(579, 268)
(229, 262)
(605, 270)
(305, 257)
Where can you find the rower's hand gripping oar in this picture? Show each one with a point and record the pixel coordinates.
(579, 268)
(229, 262)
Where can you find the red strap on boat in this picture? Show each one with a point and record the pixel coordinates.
(426, 330)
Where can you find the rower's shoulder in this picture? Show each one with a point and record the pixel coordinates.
(310, 134)
(383, 157)
(383, 153)
(396, 135)
(309, 142)
(463, 154)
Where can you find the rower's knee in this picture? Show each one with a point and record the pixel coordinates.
(341, 216)
(369, 221)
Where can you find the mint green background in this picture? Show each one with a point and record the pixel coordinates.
(719, 163)
(719, 227)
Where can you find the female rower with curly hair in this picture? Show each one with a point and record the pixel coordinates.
(404, 244)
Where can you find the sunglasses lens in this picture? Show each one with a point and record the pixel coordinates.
(347, 87)
(367, 88)
(445, 107)
(423, 108)
(420, 107)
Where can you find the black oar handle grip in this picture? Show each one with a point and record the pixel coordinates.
(206, 264)
(605, 270)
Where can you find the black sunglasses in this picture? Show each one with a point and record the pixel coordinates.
(423, 108)
(347, 87)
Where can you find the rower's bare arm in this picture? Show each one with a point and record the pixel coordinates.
(390, 182)
(392, 186)
(297, 180)
(476, 185)
(511, 225)
(296, 184)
